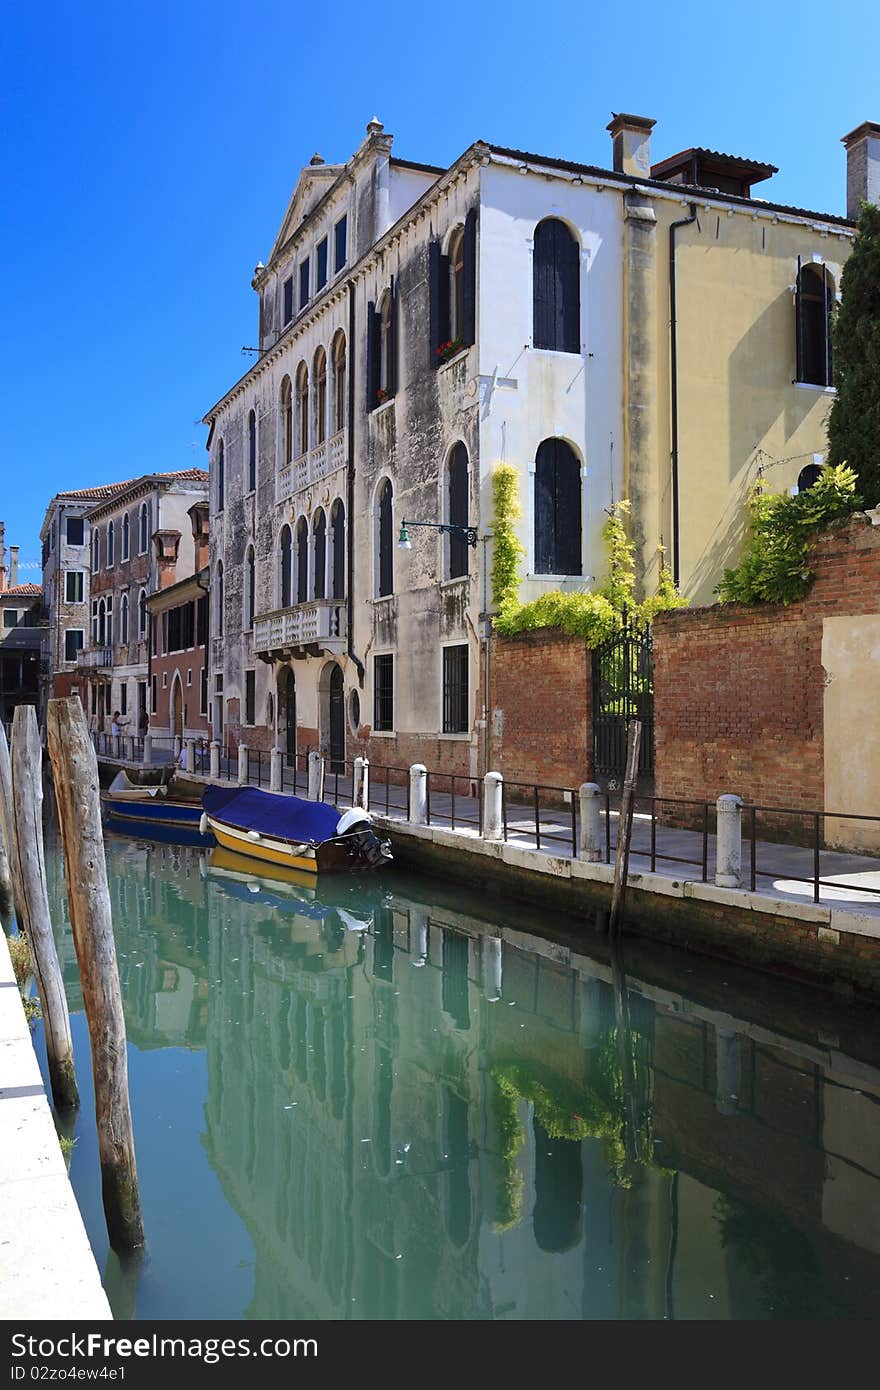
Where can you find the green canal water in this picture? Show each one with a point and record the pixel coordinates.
(390, 1098)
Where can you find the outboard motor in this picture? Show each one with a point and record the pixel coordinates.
(356, 828)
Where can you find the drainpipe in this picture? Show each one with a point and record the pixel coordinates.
(349, 534)
(673, 374)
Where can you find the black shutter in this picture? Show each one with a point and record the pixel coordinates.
(392, 343)
(545, 508)
(320, 533)
(373, 346)
(469, 317)
(829, 371)
(544, 289)
(568, 511)
(386, 554)
(799, 326)
(568, 280)
(438, 292)
(458, 511)
(302, 562)
(339, 551)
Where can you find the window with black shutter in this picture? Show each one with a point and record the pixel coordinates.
(74, 638)
(383, 693)
(202, 622)
(321, 265)
(304, 283)
(189, 626)
(250, 697)
(455, 689)
(221, 477)
(75, 530)
(556, 288)
(288, 299)
(340, 236)
(438, 297)
(252, 451)
(219, 604)
(457, 482)
(73, 586)
(337, 522)
(302, 560)
(385, 557)
(557, 509)
(320, 534)
(172, 633)
(815, 300)
(286, 567)
(249, 584)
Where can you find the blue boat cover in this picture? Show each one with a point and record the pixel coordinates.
(285, 817)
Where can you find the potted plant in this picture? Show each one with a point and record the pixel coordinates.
(449, 349)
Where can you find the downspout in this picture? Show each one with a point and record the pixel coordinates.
(349, 534)
(673, 374)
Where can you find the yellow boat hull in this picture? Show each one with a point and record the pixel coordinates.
(266, 850)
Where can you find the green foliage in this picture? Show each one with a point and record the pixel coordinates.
(775, 565)
(20, 954)
(68, 1144)
(593, 615)
(854, 423)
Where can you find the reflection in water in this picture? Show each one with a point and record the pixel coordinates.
(355, 1100)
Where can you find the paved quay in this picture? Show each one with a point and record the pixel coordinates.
(47, 1268)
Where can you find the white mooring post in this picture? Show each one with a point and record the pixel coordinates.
(492, 968)
(214, 752)
(242, 764)
(360, 792)
(316, 777)
(493, 818)
(418, 794)
(148, 749)
(590, 845)
(190, 755)
(275, 770)
(356, 774)
(728, 844)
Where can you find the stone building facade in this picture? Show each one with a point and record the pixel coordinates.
(419, 326)
(178, 637)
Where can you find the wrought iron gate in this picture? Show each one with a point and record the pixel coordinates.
(623, 689)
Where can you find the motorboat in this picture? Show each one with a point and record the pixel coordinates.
(166, 803)
(289, 831)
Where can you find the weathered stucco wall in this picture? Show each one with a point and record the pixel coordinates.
(851, 661)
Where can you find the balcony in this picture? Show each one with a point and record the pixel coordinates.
(321, 462)
(306, 629)
(95, 659)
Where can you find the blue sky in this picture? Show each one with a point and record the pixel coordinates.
(150, 150)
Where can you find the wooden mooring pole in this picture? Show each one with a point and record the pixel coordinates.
(75, 768)
(6, 851)
(32, 901)
(624, 825)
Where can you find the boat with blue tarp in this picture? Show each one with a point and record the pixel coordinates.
(309, 835)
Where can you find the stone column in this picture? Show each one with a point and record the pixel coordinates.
(728, 844)
(242, 764)
(493, 819)
(275, 770)
(418, 794)
(214, 750)
(148, 749)
(316, 777)
(590, 846)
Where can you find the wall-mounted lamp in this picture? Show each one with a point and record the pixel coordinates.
(465, 533)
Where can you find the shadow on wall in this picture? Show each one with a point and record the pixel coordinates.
(749, 379)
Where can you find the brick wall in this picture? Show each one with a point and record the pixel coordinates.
(739, 689)
(540, 718)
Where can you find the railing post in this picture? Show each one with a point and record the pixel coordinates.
(360, 789)
(275, 770)
(493, 784)
(728, 843)
(418, 794)
(242, 764)
(148, 749)
(178, 744)
(214, 752)
(590, 845)
(316, 777)
(357, 769)
(190, 755)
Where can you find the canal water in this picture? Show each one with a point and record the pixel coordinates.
(386, 1098)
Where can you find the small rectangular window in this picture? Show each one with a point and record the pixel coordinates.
(304, 283)
(321, 268)
(250, 697)
(383, 693)
(341, 243)
(73, 586)
(164, 680)
(288, 299)
(189, 676)
(123, 698)
(455, 690)
(75, 530)
(154, 694)
(74, 640)
(10, 617)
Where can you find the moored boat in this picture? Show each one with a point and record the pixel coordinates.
(158, 804)
(308, 835)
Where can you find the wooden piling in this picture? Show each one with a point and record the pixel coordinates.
(75, 768)
(7, 845)
(624, 825)
(32, 899)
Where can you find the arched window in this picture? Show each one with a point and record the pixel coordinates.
(815, 300)
(337, 532)
(456, 285)
(252, 450)
(386, 351)
(102, 624)
(218, 621)
(320, 379)
(285, 566)
(319, 534)
(123, 621)
(249, 588)
(126, 537)
(557, 509)
(96, 550)
(457, 510)
(302, 409)
(142, 613)
(111, 545)
(556, 288)
(385, 540)
(339, 399)
(286, 407)
(221, 477)
(143, 530)
(302, 560)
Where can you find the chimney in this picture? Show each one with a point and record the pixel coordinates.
(2, 556)
(198, 515)
(862, 167)
(13, 565)
(631, 144)
(167, 544)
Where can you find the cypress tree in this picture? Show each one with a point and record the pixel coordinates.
(854, 422)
